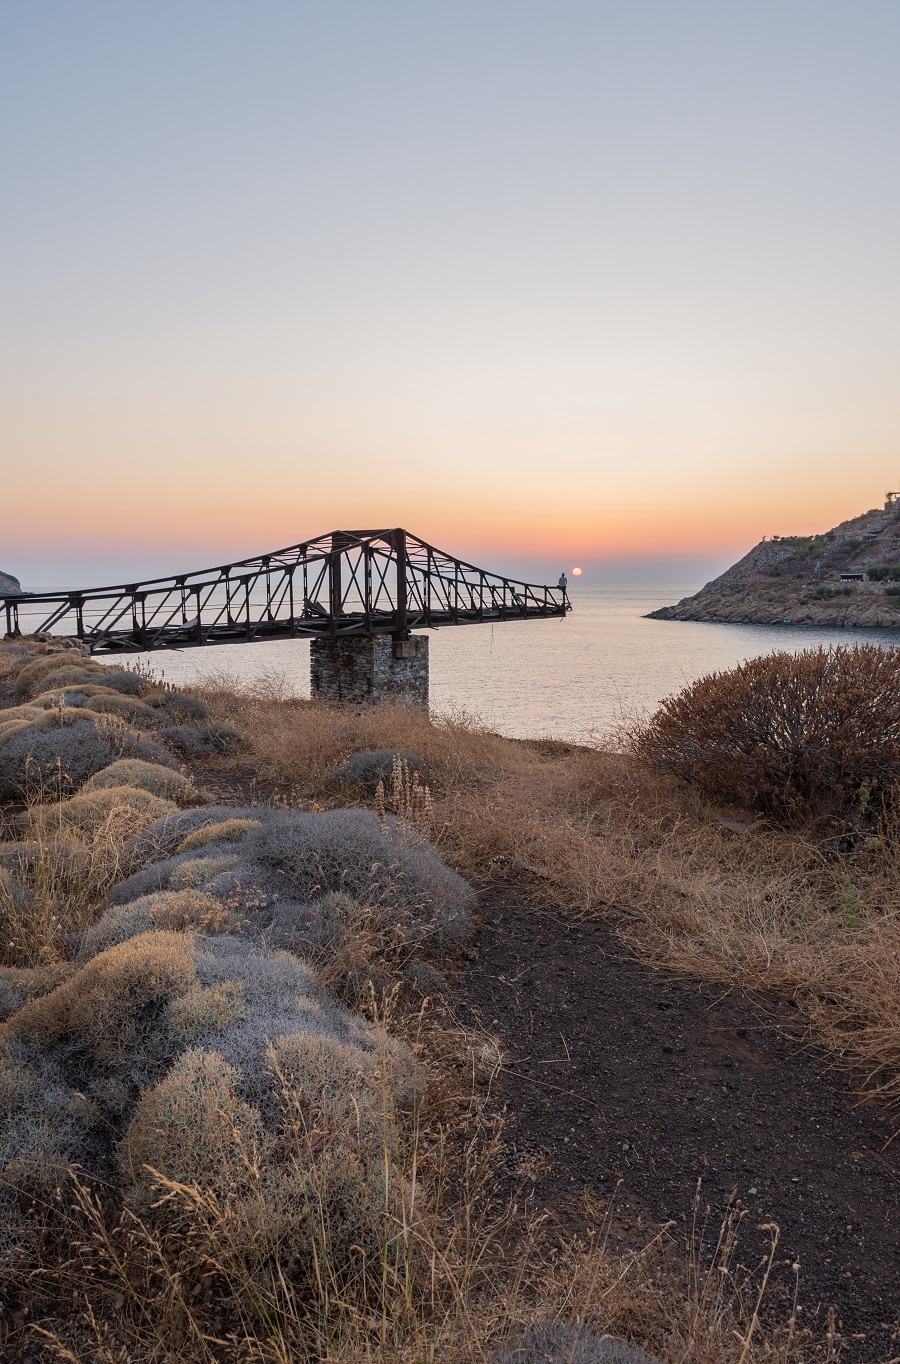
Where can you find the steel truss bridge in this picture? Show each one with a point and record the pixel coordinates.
(346, 583)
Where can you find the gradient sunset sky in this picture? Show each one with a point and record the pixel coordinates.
(610, 284)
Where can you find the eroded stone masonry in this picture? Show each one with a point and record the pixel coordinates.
(364, 670)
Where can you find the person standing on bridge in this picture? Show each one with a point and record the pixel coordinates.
(563, 582)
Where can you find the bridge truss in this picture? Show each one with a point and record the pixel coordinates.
(342, 584)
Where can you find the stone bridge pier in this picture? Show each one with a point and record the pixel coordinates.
(362, 669)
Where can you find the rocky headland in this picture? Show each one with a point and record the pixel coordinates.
(9, 586)
(848, 576)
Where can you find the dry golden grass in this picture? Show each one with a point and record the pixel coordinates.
(688, 886)
(106, 1004)
(57, 874)
(443, 1283)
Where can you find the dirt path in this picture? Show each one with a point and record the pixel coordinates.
(617, 1071)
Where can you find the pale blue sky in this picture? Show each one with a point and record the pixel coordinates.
(540, 280)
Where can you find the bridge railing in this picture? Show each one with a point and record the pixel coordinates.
(344, 583)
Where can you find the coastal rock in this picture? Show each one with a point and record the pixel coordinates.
(9, 586)
(818, 579)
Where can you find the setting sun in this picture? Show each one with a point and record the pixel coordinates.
(576, 572)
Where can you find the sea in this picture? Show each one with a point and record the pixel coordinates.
(579, 679)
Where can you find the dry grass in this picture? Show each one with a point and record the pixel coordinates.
(58, 873)
(689, 886)
(439, 1284)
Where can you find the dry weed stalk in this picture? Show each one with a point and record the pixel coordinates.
(410, 799)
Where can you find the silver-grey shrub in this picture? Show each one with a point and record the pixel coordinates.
(179, 709)
(201, 741)
(156, 876)
(164, 837)
(373, 765)
(127, 684)
(152, 777)
(556, 1342)
(76, 751)
(349, 851)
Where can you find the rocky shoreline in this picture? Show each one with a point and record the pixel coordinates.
(835, 579)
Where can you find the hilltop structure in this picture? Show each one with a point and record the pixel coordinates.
(848, 576)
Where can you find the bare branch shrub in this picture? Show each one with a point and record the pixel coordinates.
(792, 735)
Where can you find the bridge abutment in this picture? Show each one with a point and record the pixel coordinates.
(370, 670)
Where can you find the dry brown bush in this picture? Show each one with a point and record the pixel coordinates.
(793, 735)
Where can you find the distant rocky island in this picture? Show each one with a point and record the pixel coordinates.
(846, 576)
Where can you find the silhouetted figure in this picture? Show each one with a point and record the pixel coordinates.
(563, 582)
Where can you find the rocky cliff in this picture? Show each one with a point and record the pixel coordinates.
(9, 586)
(804, 580)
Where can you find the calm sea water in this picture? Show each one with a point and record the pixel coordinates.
(572, 679)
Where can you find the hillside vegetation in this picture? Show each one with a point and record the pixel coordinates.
(797, 579)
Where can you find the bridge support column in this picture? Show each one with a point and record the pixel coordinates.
(370, 670)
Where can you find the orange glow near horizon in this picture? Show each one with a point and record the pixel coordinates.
(190, 524)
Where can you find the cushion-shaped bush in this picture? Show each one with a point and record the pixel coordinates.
(9, 728)
(196, 872)
(78, 694)
(179, 708)
(18, 984)
(228, 831)
(38, 717)
(348, 850)
(206, 1009)
(159, 781)
(251, 891)
(110, 1009)
(157, 875)
(75, 675)
(67, 748)
(26, 711)
(196, 1049)
(124, 682)
(31, 677)
(125, 808)
(371, 766)
(128, 708)
(337, 1084)
(43, 1123)
(282, 997)
(556, 1342)
(72, 679)
(194, 1128)
(305, 927)
(164, 837)
(178, 910)
(200, 741)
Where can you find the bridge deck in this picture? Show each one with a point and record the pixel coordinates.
(342, 584)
